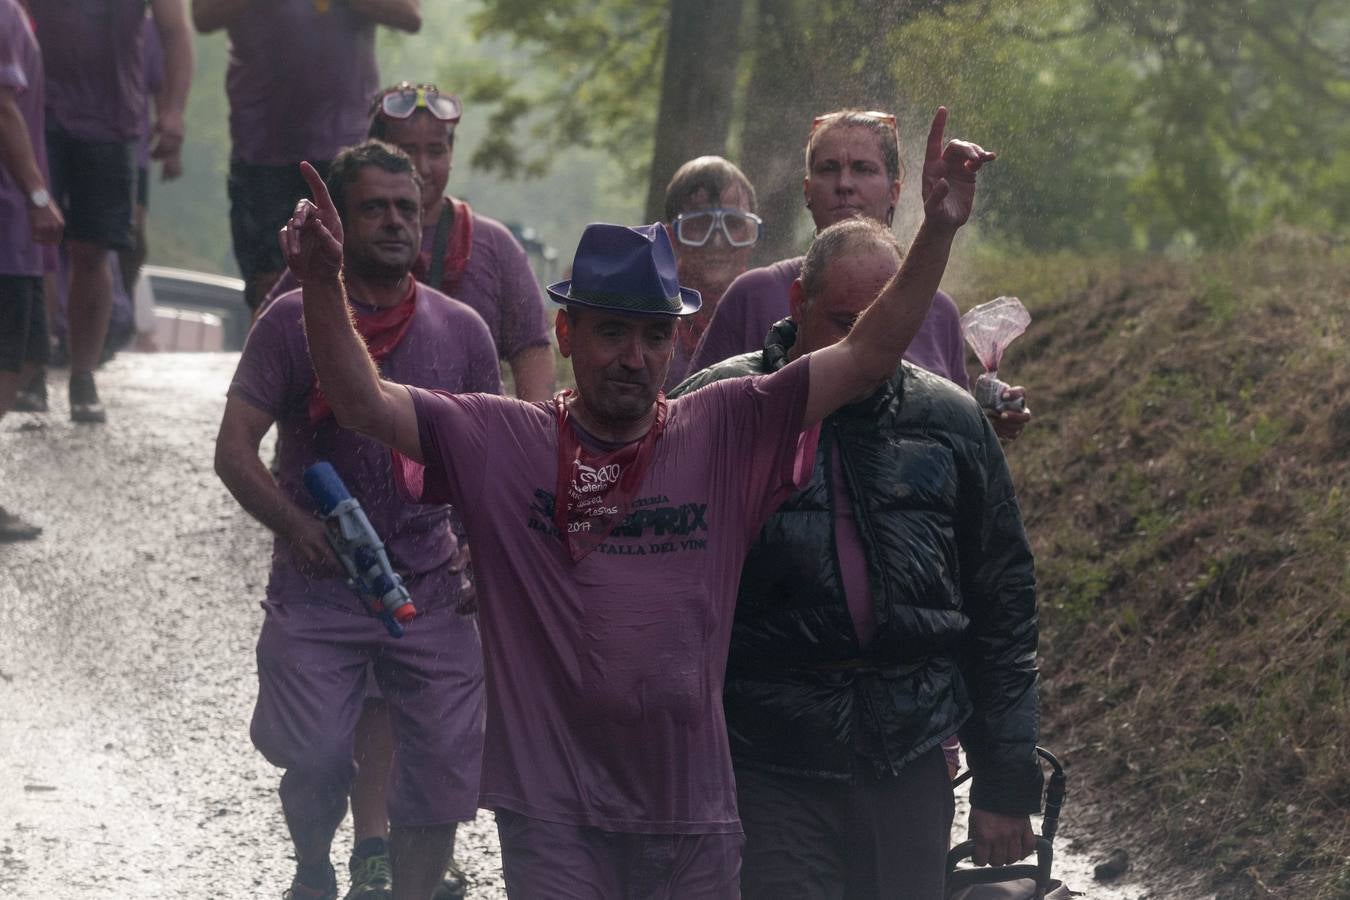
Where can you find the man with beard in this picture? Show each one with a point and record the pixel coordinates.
(475, 259)
(317, 642)
(465, 254)
(609, 529)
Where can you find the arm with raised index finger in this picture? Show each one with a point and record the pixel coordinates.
(869, 355)
(312, 244)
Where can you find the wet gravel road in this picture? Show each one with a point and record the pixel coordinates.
(126, 659)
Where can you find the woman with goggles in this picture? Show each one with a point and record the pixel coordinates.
(710, 214)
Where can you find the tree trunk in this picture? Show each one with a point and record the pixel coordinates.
(772, 132)
(697, 87)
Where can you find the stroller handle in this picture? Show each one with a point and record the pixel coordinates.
(1054, 802)
(1039, 871)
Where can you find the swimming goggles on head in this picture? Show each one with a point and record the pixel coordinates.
(402, 100)
(740, 228)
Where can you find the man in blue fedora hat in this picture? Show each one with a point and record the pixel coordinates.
(609, 528)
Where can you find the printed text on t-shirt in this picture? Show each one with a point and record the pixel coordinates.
(654, 515)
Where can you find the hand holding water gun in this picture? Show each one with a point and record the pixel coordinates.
(360, 549)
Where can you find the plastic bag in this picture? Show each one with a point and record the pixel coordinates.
(989, 328)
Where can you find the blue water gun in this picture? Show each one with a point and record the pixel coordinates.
(355, 542)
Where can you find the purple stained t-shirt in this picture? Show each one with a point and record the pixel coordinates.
(21, 72)
(445, 348)
(95, 66)
(759, 297)
(605, 678)
(498, 284)
(300, 81)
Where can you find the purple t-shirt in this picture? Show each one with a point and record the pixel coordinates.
(759, 297)
(498, 284)
(679, 365)
(446, 348)
(154, 81)
(95, 66)
(20, 71)
(605, 678)
(300, 81)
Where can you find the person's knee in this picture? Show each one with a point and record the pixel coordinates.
(326, 764)
(320, 757)
(87, 257)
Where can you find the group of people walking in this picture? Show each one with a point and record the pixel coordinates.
(706, 625)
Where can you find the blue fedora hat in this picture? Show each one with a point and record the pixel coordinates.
(626, 270)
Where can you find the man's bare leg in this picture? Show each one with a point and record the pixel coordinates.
(419, 856)
(89, 304)
(313, 838)
(88, 308)
(374, 756)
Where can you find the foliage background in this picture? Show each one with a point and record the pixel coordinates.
(1123, 124)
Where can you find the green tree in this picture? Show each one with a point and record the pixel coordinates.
(1123, 123)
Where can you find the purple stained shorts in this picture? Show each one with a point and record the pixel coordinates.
(549, 861)
(312, 672)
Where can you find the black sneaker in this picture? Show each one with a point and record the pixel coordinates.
(301, 891)
(372, 878)
(84, 402)
(32, 397)
(455, 886)
(13, 528)
(119, 335)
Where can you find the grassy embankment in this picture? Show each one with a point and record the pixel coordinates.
(1186, 487)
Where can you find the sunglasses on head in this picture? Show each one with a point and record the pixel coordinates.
(402, 100)
(882, 117)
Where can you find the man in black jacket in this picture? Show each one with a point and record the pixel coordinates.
(884, 607)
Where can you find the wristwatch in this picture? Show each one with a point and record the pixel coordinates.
(39, 198)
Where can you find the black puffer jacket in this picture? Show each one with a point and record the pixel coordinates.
(952, 588)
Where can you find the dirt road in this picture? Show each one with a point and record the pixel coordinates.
(126, 659)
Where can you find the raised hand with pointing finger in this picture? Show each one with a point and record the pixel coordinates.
(311, 241)
(949, 175)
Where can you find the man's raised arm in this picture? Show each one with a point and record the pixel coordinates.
(361, 401)
(869, 355)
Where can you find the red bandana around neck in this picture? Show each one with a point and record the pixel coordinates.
(595, 490)
(458, 249)
(382, 331)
